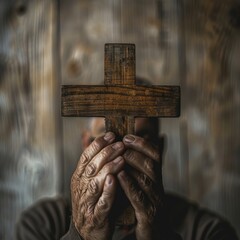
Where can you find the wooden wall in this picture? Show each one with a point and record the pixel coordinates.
(29, 142)
(195, 44)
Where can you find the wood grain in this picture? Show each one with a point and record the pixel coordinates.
(136, 101)
(119, 64)
(29, 140)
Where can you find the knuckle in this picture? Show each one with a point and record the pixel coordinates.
(151, 213)
(97, 144)
(144, 180)
(84, 157)
(148, 164)
(89, 209)
(103, 205)
(91, 169)
(141, 196)
(138, 196)
(149, 167)
(128, 155)
(93, 187)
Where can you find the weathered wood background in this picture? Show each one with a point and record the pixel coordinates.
(195, 44)
(29, 126)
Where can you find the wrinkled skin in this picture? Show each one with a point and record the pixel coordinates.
(134, 165)
(142, 185)
(93, 187)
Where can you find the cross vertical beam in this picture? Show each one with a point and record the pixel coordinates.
(120, 69)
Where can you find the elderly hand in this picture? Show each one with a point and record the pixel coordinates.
(93, 187)
(143, 184)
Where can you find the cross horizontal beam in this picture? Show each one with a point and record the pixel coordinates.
(128, 100)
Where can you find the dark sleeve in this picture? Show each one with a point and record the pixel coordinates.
(72, 233)
(210, 227)
(194, 223)
(45, 220)
(171, 235)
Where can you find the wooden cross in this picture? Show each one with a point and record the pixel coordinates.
(120, 100)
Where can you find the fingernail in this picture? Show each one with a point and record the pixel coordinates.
(117, 146)
(109, 136)
(118, 160)
(109, 180)
(129, 139)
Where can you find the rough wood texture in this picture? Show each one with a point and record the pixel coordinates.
(135, 101)
(119, 69)
(119, 64)
(29, 142)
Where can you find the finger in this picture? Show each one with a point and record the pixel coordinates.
(144, 210)
(94, 148)
(141, 145)
(143, 163)
(95, 186)
(154, 191)
(105, 202)
(106, 155)
(133, 192)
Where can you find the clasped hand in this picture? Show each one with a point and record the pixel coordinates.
(95, 181)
